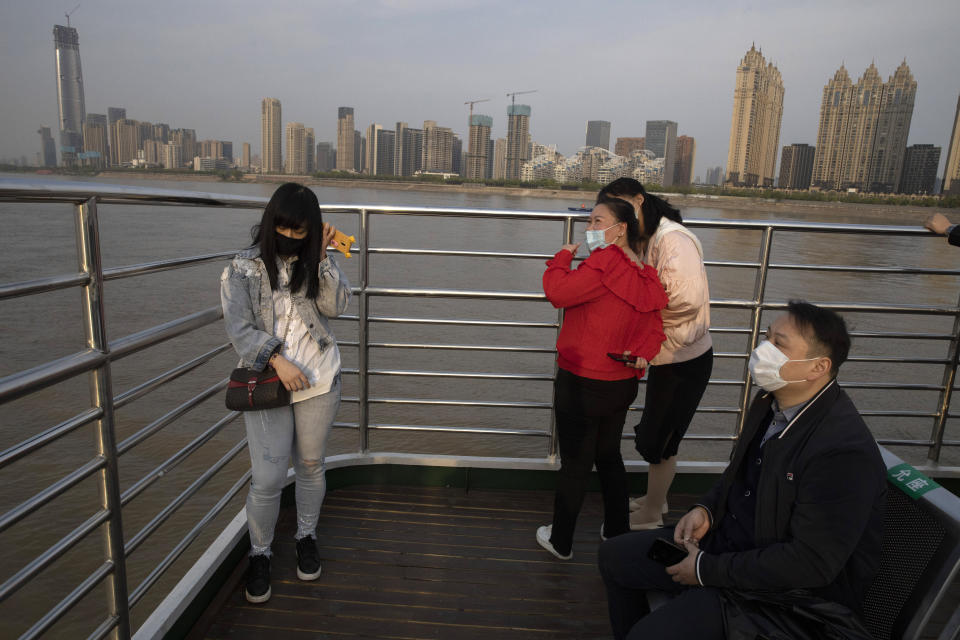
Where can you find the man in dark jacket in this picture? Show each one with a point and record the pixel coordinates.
(938, 223)
(795, 519)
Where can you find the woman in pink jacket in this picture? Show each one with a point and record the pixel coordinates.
(679, 374)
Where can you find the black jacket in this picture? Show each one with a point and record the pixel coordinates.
(820, 501)
(953, 236)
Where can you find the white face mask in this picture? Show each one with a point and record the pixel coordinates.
(596, 238)
(765, 364)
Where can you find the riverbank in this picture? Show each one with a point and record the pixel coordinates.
(909, 214)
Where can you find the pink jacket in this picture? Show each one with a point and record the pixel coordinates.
(678, 257)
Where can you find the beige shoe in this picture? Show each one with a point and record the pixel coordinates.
(638, 503)
(637, 525)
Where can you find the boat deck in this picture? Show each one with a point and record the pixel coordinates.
(427, 562)
(434, 562)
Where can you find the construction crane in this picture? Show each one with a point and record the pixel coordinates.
(473, 102)
(513, 96)
(71, 13)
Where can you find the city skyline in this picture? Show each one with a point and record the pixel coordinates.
(220, 64)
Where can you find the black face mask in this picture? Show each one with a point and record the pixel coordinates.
(288, 246)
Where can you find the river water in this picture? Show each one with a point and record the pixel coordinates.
(38, 240)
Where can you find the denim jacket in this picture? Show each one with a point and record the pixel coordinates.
(248, 306)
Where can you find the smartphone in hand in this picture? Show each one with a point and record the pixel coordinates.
(666, 552)
(619, 357)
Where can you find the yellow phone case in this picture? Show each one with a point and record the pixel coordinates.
(342, 242)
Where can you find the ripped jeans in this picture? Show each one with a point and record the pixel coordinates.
(274, 436)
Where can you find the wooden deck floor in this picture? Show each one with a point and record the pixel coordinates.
(429, 562)
(425, 562)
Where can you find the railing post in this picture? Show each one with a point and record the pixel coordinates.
(552, 453)
(759, 291)
(949, 379)
(363, 338)
(101, 395)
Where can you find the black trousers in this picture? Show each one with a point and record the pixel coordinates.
(693, 612)
(590, 416)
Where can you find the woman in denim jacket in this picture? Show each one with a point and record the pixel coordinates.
(276, 297)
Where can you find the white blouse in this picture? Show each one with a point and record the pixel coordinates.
(321, 367)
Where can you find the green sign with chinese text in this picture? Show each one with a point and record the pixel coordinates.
(910, 481)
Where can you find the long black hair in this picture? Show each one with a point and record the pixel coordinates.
(624, 212)
(654, 207)
(294, 206)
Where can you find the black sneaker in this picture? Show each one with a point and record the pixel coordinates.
(258, 579)
(308, 559)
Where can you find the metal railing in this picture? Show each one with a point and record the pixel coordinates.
(96, 359)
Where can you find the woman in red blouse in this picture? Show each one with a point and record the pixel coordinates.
(611, 304)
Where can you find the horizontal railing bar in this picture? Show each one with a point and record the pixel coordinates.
(736, 264)
(940, 361)
(169, 417)
(75, 596)
(451, 429)
(45, 437)
(898, 414)
(461, 254)
(188, 539)
(459, 374)
(164, 514)
(900, 386)
(458, 403)
(105, 628)
(42, 285)
(143, 389)
(62, 485)
(905, 443)
(19, 190)
(170, 463)
(154, 335)
(476, 294)
(855, 269)
(22, 383)
(58, 549)
(465, 323)
(460, 347)
(158, 266)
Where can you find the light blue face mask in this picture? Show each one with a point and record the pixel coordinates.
(596, 238)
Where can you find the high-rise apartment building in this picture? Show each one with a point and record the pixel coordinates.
(686, 154)
(796, 162)
(95, 141)
(310, 147)
(128, 144)
(270, 145)
(186, 139)
(661, 139)
(477, 146)
(326, 157)
(796, 166)
(371, 150)
(458, 157)
(296, 149)
(153, 152)
(161, 132)
(408, 150)
(863, 131)
(245, 156)
(48, 148)
(951, 173)
(598, 134)
(359, 151)
(386, 149)
(172, 156)
(920, 164)
(491, 152)
(518, 134)
(627, 146)
(715, 176)
(437, 147)
(114, 114)
(70, 101)
(755, 126)
(346, 140)
(500, 159)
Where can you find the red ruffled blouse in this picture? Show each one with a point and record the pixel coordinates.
(611, 305)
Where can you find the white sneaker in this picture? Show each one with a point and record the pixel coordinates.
(638, 503)
(637, 525)
(543, 539)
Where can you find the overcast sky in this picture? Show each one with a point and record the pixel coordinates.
(206, 65)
